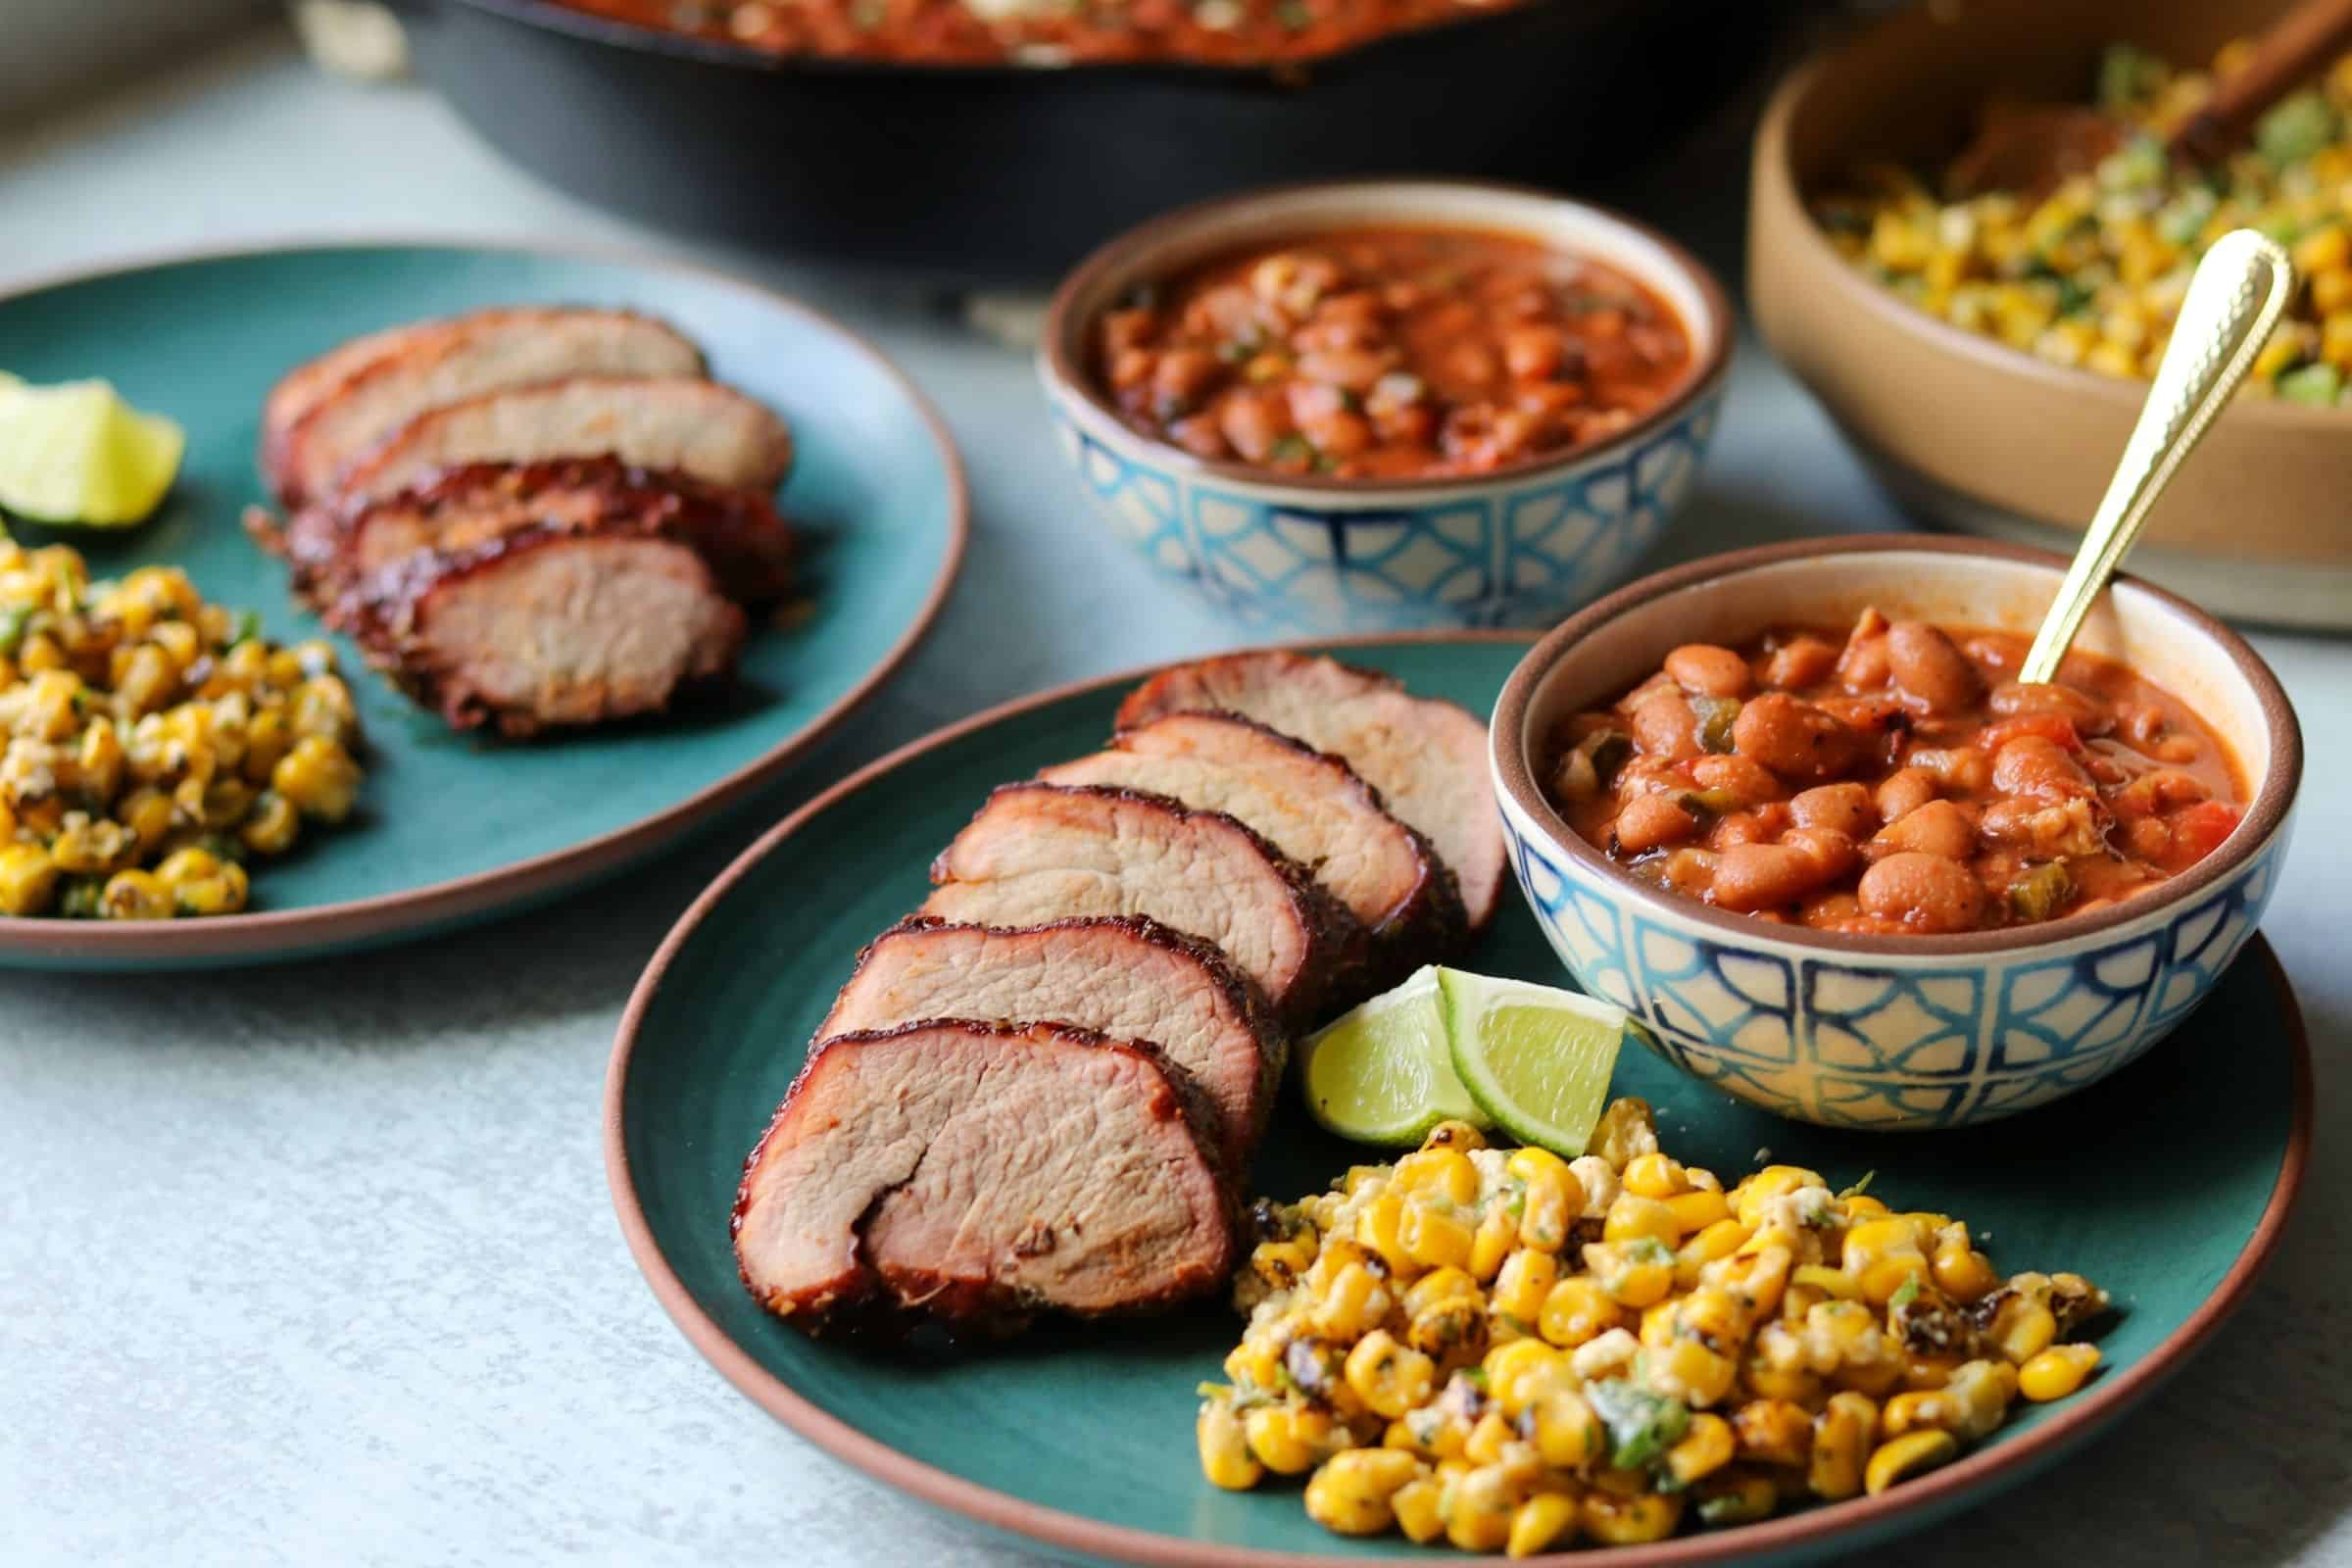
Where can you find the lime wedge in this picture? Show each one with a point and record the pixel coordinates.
(1535, 1060)
(1380, 1074)
(76, 453)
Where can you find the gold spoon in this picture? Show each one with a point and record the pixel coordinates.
(2238, 293)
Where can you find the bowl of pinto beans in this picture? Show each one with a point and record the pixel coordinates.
(1389, 404)
(1791, 807)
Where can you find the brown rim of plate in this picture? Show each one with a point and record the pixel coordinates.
(2260, 824)
(297, 933)
(1054, 351)
(2087, 1412)
(1780, 187)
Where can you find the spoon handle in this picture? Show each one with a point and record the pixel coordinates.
(2295, 48)
(2238, 293)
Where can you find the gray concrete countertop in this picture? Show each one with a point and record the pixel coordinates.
(314, 1265)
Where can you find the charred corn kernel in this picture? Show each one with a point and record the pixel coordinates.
(1831, 1282)
(1624, 1521)
(1962, 1272)
(267, 739)
(1416, 1506)
(1351, 1492)
(1481, 1517)
(1568, 1435)
(1452, 1327)
(186, 866)
(1913, 1454)
(1351, 1306)
(1773, 1432)
(322, 705)
(1756, 1278)
(1445, 1173)
(1488, 1437)
(1439, 1285)
(1458, 1134)
(1289, 1440)
(98, 764)
(1842, 1436)
(1433, 1239)
(135, 896)
(1714, 1317)
(1654, 1175)
(1519, 1372)
(1378, 1226)
(2022, 1329)
(1280, 1264)
(1390, 1378)
(1796, 1385)
(1225, 1456)
(1524, 1284)
(1706, 1447)
(27, 879)
(1541, 1523)
(1735, 1497)
(1332, 1260)
(319, 777)
(1697, 1209)
(1718, 1241)
(1549, 1203)
(1496, 1235)
(1917, 1409)
(2056, 1372)
(1633, 1217)
(180, 643)
(1927, 1371)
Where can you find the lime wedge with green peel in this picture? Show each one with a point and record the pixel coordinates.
(1381, 1074)
(78, 454)
(1537, 1060)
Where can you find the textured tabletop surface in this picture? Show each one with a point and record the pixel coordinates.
(316, 1265)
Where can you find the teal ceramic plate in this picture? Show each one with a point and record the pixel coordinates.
(457, 828)
(1080, 1439)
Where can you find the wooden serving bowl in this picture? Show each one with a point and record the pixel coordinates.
(1893, 1031)
(1985, 438)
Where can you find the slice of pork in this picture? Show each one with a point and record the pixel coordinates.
(1309, 805)
(977, 1173)
(550, 629)
(700, 428)
(1039, 852)
(332, 547)
(1128, 978)
(326, 415)
(1427, 758)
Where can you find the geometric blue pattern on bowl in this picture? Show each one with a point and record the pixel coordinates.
(1938, 1041)
(1489, 552)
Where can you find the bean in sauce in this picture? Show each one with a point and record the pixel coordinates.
(1895, 777)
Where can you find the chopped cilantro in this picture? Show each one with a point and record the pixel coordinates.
(2298, 128)
(1475, 1376)
(1641, 1425)
(1906, 1293)
(1862, 1186)
(246, 627)
(1647, 1250)
(12, 627)
(1292, 449)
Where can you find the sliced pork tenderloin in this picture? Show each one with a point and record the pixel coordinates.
(1125, 977)
(326, 415)
(699, 428)
(978, 1173)
(1427, 758)
(549, 628)
(1040, 852)
(1309, 805)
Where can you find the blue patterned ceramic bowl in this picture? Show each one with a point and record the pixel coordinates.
(1894, 1032)
(1520, 545)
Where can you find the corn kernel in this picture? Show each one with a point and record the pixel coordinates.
(1417, 1507)
(27, 879)
(1225, 1456)
(1911, 1454)
(1390, 1378)
(1289, 1440)
(1522, 1287)
(1706, 1447)
(2056, 1372)
(1623, 1521)
(1433, 1239)
(1543, 1522)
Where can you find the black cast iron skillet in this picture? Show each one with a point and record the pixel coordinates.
(1007, 175)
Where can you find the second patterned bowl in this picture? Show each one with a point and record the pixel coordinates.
(1519, 546)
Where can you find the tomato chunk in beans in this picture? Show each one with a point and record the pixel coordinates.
(1394, 353)
(1895, 776)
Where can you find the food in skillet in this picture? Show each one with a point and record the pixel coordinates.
(1390, 352)
(1513, 1352)
(1896, 778)
(1040, 1093)
(994, 32)
(2093, 273)
(155, 743)
(529, 518)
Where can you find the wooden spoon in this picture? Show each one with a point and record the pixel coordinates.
(2237, 296)
(2031, 148)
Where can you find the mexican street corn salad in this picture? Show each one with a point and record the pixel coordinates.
(2093, 274)
(155, 742)
(1513, 1352)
